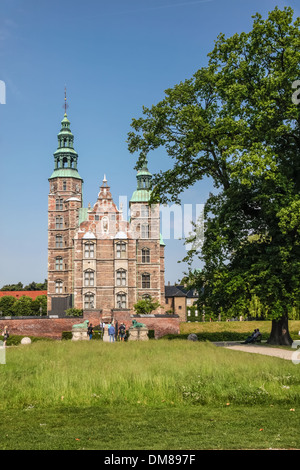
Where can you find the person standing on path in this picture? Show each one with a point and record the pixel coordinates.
(111, 332)
(122, 331)
(90, 330)
(5, 335)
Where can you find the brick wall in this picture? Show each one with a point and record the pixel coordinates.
(41, 326)
(53, 327)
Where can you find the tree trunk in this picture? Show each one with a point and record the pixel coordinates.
(280, 332)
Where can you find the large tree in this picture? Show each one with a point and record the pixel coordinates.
(235, 122)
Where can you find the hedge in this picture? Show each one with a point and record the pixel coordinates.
(15, 340)
(214, 337)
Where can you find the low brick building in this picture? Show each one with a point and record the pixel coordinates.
(178, 299)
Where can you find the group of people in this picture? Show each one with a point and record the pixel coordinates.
(114, 331)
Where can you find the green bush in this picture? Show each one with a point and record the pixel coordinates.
(74, 312)
(215, 336)
(24, 306)
(15, 340)
(66, 335)
(7, 303)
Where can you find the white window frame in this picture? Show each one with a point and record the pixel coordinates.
(58, 286)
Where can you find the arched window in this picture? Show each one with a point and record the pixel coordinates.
(89, 277)
(121, 277)
(146, 281)
(121, 300)
(89, 250)
(145, 255)
(58, 263)
(89, 300)
(58, 286)
(121, 250)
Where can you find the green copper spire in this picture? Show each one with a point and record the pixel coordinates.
(143, 191)
(65, 157)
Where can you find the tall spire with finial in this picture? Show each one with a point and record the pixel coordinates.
(65, 103)
(143, 191)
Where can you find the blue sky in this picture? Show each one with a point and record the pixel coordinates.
(114, 57)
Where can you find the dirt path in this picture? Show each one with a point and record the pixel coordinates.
(275, 352)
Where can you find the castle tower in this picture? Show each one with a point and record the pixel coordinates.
(145, 221)
(64, 203)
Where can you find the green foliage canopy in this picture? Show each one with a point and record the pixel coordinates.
(235, 122)
(146, 305)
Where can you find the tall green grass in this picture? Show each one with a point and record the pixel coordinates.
(154, 373)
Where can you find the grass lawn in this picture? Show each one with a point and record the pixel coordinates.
(149, 428)
(158, 395)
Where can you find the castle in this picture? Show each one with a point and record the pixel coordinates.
(97, 261)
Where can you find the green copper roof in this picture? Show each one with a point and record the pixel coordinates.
(144, 172)
(65, 157)
(64, 151)
(141, 195)
(83, 215)
(65, 173)
(143, 191)
(161, 240)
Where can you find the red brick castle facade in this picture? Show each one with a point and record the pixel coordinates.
(97, 261)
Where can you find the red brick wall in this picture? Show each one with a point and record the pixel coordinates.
(53, 327)
(162, 325)
(44, 327)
